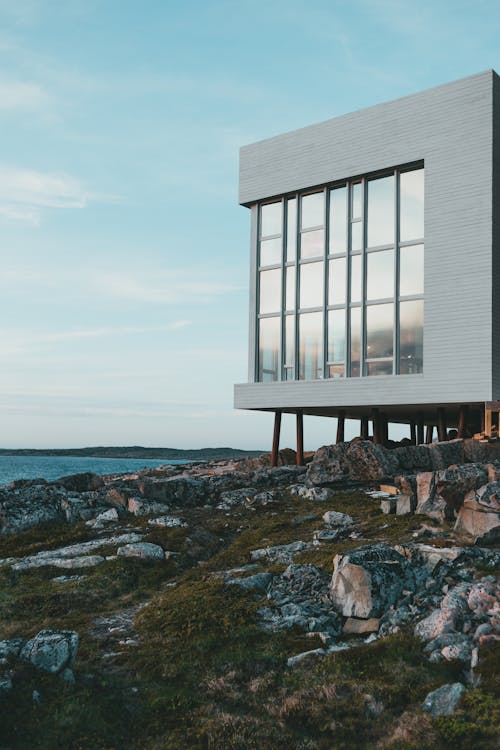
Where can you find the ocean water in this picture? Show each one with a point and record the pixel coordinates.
(53, 467)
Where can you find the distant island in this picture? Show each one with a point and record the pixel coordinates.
(135, 451)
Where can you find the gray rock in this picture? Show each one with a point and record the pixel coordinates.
(334, 518)
(258, 582)
(429, 502)
(140, 507)
(73, 551)
(444, 701)
(11, 647)
(279, 553)
(231, 498)
(169, 522)
(5, 684)
(368, 580)
(316, 494)
(142, 550)
(107, 516)
(84, 482)
(305, 656)
(444, 620)
(327, 465)
(51, 650)
(262, 498)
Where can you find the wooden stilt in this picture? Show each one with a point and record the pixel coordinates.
(442, 433)
(364, 428)
(463, 416)
(340, 427)
(413, 433)
(483, 418)
(300, 439)
(385, 429)
(276, 438)
(428, 434)
(420, 429)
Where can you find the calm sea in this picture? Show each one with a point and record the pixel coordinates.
(53, 467)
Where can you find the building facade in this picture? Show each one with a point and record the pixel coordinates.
(375, 264)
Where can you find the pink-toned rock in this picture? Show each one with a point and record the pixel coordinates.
(483, 598)
(353, 626)
(429, 503)
(476, 519)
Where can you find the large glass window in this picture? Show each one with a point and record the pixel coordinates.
(369, 260)
(381, 211)
(411, 330)
(311, 346)
(269, 345)
(311, 285)
(270, 291)
(411, 203)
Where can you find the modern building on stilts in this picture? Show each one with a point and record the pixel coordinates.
(375, 267)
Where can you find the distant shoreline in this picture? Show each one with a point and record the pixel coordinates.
(136, 451)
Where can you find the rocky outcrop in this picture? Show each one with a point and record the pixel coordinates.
(51, 650)
(444, 701)
(480, 514)
(367, 581)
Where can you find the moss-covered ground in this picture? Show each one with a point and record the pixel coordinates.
(196, 672)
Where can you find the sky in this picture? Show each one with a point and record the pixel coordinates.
(124, 256)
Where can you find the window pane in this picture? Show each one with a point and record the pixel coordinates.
(270, 291)
(381, 211)
(338, 220)
(313, 210)
(380, 367)
(311, 346)
(269, 343)
(337, 282)
(380, 275)
(379, 331)
(291, 229)
(357, 201)
(355, 341)
(336, 336)
(411, 270)
(412, 205)
(289, 354)
(270, 252)
(411, 336)
(336, 371)
(290, 288)
(312, 244)
(357, 236)
(270, 219)
(356, 278)
(311, 285)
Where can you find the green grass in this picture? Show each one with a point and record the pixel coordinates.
(204, 675)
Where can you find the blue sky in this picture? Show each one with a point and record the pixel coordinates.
(124, 253)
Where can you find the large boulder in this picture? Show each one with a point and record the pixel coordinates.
(184, 491)
(429, 502)
(443, 701)
(366, 461)
(28, 506)
(453, 484)
(85, 482)
(327, 465)
(142, 550)
(51, 650)
(368, 580)
(480, 513)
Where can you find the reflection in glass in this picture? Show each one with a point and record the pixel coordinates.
(379, 331)
(290, 288)
(289, 353)
(380, 275)
(336, 371)
(355, 341)
(411, 337)
(379, 367)
(337, 282)
(270, 291)
(291, 229)
(356, 236)
(338, 220)
(312, 213)
(411, 270)
(270, 219)
(357, 201)
(311, 285)
(269, 341)
(312, 244)
(270, 252)
(381, 211)
(356, 277)
(336, 336)
(411, 205)
(311, 346)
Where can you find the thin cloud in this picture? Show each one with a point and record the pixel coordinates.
(17, 95)
(164, 287)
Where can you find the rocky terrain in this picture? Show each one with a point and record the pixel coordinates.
(351, 603)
